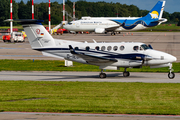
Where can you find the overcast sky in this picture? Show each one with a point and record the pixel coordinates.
(171, 5)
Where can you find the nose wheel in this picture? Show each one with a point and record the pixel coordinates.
(171, 74)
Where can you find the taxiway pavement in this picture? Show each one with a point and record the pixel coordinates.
(89, 76)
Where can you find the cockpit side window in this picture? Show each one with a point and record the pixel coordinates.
(70, 23)
(145, 47)
(135, 48)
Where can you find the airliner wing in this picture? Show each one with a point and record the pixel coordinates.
(91, 58)
(111, 28)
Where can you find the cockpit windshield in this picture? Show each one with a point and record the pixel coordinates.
(145, 47)
(70, 23)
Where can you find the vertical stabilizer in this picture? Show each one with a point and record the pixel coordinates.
(156, 12)
(37, 35)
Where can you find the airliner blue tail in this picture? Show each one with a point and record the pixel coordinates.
(156, 12)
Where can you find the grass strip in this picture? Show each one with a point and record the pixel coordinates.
(90, 97)
(56, 65)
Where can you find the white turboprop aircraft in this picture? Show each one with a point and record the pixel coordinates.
(119, 24)
(105, 55)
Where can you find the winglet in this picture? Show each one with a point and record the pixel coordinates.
(124, 23)
(72, 50)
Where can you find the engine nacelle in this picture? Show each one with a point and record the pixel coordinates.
(160, 66)
(109, 67)
(100, 30)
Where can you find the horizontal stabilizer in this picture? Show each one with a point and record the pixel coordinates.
(26, 21)
(160, 20)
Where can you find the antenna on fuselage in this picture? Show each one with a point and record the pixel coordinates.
(94, 41)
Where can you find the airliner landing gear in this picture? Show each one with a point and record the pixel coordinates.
(126, 73)
(102, 75)
(171, 74)
(113, 33)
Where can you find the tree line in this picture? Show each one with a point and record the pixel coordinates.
(23, 10)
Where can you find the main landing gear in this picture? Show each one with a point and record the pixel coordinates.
(125, 74)
(171, 74)
(102, 75)
(113, 33)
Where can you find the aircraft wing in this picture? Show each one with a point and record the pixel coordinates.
(111, 28)
(91, 58)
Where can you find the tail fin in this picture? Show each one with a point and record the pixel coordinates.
(37, 35)
(157, 11)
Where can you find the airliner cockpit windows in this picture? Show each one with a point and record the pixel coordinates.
(97, 47)
(70, 23)
(87, 48)
(103, 48)
(115, 48)
(135, 48)
(121, 47)
(145, 47)
(109, 48)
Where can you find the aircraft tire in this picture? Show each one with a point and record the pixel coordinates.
(126, 74)
(102, 75)
(171, 75)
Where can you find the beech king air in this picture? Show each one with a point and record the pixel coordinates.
(119, 24)
(105, 55)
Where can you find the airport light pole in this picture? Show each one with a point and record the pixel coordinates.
(49, 16)
(73, 11)
(63, 10)
(11, 17)
(32, 9)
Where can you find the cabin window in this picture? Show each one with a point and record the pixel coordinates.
(135, 48)
(115, 48)
(76, 48)
(103, 48)
(87, 48)
(121, 47)
(97, 47)
(109, 48)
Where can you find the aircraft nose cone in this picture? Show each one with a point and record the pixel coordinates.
(172, 58)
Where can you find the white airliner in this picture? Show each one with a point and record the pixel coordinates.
(119, 24)
(105, 55)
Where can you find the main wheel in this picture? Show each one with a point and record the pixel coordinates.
(126, 74)
(171, 75)
(102, 75)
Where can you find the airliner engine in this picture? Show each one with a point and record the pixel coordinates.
(99, 30)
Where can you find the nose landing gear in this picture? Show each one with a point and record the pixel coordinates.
(171, 74)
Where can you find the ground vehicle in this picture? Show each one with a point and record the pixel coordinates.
(16, 37)
(60, 31)
(6, 38)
